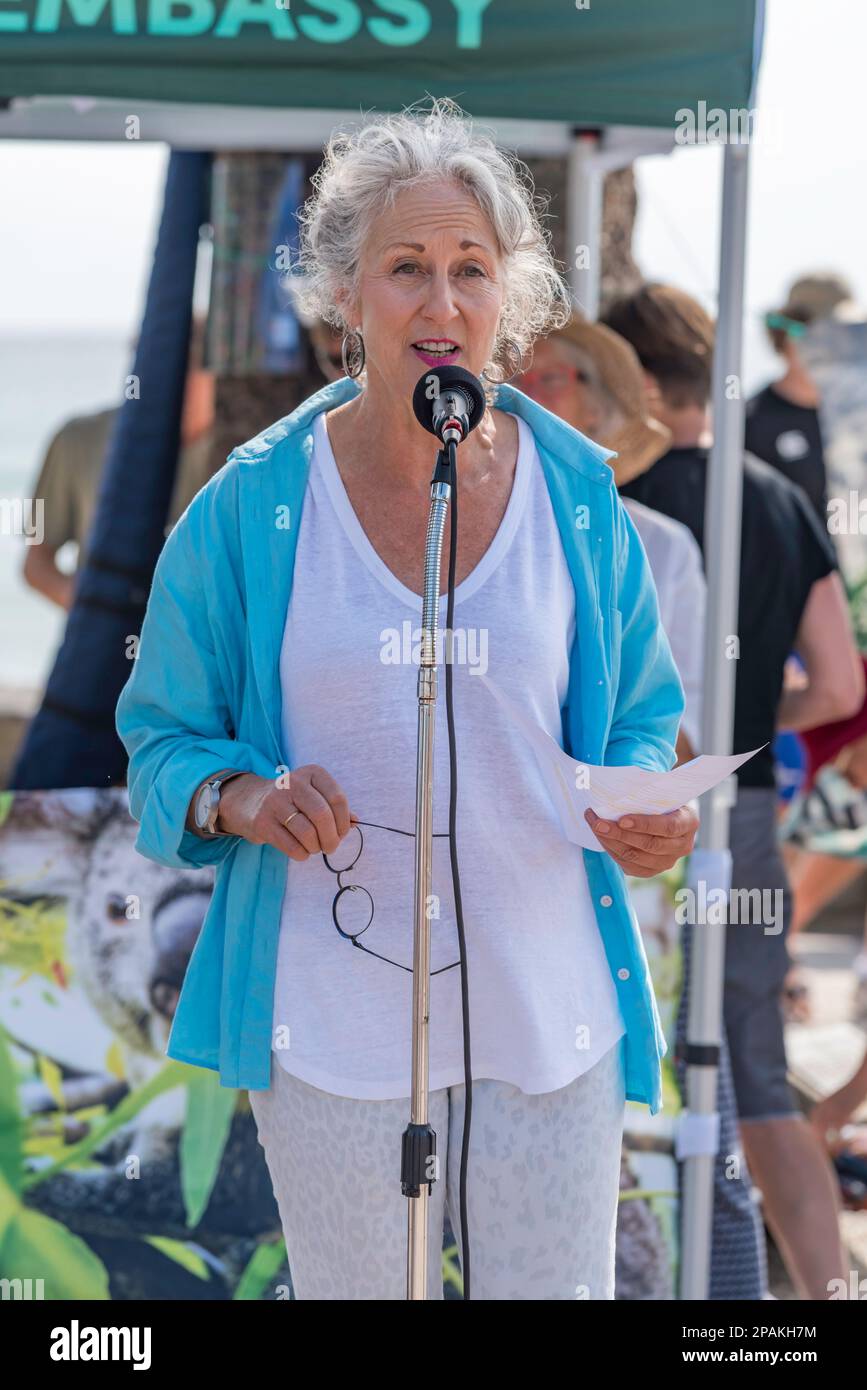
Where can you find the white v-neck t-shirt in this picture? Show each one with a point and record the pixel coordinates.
(543, 1005)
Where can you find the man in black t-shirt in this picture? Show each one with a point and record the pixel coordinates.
(791, 598)
(782, 420)
(786, 434)
(784, 553)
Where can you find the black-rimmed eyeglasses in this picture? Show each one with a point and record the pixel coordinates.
(351, 925)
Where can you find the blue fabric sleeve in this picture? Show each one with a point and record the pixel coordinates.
(172, 715)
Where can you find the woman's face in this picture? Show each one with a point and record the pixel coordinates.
(557, 381)
(431, 271)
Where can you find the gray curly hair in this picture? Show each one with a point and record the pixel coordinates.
(361, 174)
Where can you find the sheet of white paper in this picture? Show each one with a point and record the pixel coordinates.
(611, 792)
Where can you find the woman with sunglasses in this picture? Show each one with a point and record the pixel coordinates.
(274, 698)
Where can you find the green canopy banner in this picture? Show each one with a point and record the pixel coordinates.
(591, 62)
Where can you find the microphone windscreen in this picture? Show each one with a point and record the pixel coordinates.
(435, 382)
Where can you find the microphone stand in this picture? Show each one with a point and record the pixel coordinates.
(419, 1163)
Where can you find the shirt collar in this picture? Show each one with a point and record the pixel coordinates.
(549, 431)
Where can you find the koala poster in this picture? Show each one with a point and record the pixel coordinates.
(141, 1177)
(129, 1175)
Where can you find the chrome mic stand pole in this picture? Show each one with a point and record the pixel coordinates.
(418, 1159)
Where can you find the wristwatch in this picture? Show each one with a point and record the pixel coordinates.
(208, 802)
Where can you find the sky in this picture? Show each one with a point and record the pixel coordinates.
(79, 221)
(808, 176)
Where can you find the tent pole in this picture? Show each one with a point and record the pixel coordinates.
(711, 862)
(584, 222)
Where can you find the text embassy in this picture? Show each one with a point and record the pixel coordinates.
(399, 23)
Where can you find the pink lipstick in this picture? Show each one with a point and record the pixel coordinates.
(434, 358)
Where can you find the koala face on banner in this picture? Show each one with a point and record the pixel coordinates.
(131, 924)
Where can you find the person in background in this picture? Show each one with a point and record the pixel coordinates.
(782, 427)
(782, 420)
(791, 598)
(839, 750)
(834, 1120)
(833, 804)
(68, 480)
(592, 379)
(846, 1141)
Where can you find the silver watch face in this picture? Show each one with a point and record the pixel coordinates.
(207, 797)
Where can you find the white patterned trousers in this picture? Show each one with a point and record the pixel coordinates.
(543, 1177)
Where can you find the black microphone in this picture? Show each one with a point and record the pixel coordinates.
(449, 402)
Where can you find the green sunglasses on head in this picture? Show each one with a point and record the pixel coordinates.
(793, 327)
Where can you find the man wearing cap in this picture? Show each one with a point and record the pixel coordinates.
(782, 420)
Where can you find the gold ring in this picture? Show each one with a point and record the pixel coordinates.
(288, 818)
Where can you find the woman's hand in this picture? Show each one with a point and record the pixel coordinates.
(646, 845)
(255, 808)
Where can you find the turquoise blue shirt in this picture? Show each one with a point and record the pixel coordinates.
(204, 693)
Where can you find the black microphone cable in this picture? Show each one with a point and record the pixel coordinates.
(456, 878)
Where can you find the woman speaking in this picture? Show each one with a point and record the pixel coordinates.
(271, 725)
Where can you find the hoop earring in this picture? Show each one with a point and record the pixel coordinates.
(515, 362)
(350, 348)
(516, 358)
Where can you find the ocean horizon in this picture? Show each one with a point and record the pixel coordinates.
(49, 377)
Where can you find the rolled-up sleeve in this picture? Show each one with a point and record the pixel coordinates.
(649, 700)
(173, 716)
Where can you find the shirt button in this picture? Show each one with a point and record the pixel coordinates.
(623, 974)
(600, 682)
(606, 900)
